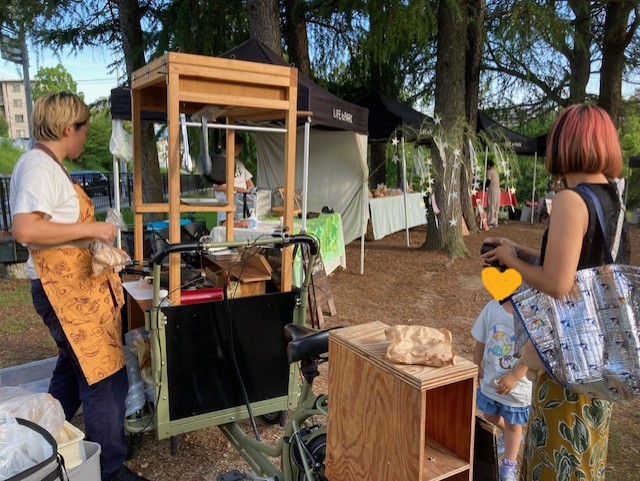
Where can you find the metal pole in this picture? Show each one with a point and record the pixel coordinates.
(305, 173)
(116, 192)
(27, 83)
(533, 187)
(365, 202)
(404, 192)
(484, 179)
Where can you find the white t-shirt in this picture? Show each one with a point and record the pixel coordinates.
(494, 328)
(38, 184)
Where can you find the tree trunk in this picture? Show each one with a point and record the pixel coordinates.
(450, 108)
(377, 169)
(264, 23)
(296, 35)
(580, 56)
(476, 10)
(133, 48)
(616, 40)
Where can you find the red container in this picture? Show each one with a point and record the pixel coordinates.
(205, 294)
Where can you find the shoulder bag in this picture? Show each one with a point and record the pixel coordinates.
(589, 340)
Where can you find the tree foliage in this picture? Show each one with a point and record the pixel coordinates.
(50, 80)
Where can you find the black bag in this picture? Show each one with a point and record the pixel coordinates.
(52, 468)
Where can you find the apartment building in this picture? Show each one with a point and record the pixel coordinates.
(13, 105)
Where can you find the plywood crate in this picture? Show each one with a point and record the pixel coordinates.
(396, 422)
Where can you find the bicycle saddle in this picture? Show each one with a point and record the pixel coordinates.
(304, 342)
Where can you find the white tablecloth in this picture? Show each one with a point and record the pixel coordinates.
(387, 213)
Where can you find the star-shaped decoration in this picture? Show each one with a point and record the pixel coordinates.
(456, 153)
(474, 191)
(512, 190)
(429, 190)
(453, 195)
(395, 141)
(430, 180)
(507, 172)
(453, 222)
(395, 159)
(476, 185)
(429, 162)
(437, 120)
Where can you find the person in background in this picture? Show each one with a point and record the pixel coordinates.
(493, 200)
(544, 204)
(54, 218)
(242, 178)
(504, 394)
(583, 149)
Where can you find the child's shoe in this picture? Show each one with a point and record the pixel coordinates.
(508, 470)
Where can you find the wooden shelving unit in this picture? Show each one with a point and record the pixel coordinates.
(244, 91)
(392, 421)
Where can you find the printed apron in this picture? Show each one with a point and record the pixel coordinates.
(88, 306)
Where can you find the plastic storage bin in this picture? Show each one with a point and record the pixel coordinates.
(72, 450)
(90, 469)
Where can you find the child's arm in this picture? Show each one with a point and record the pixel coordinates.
(506, 382)
(478, 353)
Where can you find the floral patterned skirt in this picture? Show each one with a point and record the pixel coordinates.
(567, 435)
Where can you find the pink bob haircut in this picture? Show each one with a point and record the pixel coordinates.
(584, 139)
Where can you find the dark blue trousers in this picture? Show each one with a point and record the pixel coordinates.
(102, 402)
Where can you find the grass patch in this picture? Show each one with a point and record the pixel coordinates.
(9, 155)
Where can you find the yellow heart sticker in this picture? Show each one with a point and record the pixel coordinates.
(501, 284)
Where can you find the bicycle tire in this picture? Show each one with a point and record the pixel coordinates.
(317, 447)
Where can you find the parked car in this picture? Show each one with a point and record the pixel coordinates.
(93, 182)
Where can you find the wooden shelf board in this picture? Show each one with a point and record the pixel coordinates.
(440, 463)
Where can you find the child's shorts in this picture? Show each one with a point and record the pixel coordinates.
(511, 415)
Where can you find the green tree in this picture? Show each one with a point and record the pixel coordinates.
(4, 127)
(96, 154)
(50, 80)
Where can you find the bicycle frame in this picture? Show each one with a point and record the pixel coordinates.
(309, 404)
(256, 453)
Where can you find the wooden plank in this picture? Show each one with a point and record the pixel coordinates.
(198, 73)
(239, 66)
(136, 125)
(374, 423)
(440, 463)
(455, 430)
(173, 171)
(369, 340)
(240, 95)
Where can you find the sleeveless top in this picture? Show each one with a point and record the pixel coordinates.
(592, 252)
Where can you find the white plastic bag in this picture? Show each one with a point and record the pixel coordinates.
(120, 143)
(20, 447)
(109, 256)
(40, 408)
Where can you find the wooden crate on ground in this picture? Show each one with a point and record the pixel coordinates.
(396, 422)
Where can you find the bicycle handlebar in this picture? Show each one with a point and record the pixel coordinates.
(276, 239)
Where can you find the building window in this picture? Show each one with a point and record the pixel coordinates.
(16, 87)
(17, 103)
(19, 118)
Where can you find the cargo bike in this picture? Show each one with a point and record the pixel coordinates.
(219, 362)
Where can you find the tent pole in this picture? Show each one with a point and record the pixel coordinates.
(484, 178)
(533, 187)
(305, 173)
(365, 201)
(116, 194)
(404, 192)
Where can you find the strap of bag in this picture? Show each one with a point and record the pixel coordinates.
(55, 475)
(610, 254)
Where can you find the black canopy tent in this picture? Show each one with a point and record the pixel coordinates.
(328, 110)
(521, 144)
(387, 114)
(120, 103)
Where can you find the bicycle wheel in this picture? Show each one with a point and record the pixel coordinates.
(317, 447)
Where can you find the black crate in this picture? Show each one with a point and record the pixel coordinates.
(12, 251)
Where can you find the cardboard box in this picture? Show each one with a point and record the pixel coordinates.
(251, 273)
